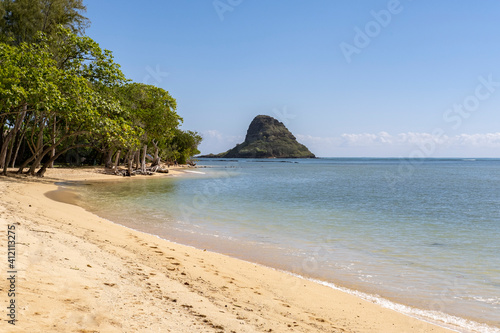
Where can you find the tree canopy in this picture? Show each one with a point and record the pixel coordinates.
(24, 19)
(61, 94)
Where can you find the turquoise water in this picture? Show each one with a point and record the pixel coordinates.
(422, 233)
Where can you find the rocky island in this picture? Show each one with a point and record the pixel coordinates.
(267, 138)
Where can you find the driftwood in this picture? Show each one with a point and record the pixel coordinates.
(138, 171)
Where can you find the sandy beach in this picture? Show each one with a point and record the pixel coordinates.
(77, 272)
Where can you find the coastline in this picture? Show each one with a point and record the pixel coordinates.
(77, 271)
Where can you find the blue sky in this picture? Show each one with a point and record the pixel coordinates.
(348, 78)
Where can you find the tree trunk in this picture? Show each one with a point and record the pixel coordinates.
(7, 160)
(9, 156)
(117, 159)
(143, 162)
(11, 150)
(37, 154)
(12, 132)
(137, 159)
(25, 164)
(2, 125)
(126, 158)
(130, 161)
(36, 163)
(156, 159)
(19, 141)
(42, 170)
(3, 150)
(45, 152)
(53, 153)
(39, 147)
(109, 159)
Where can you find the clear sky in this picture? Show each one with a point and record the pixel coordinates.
(348, 78)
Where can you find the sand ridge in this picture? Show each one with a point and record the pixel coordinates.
(80, 273)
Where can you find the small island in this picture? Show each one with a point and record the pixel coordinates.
(267, 138)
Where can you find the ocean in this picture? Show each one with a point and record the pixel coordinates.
(418, 236)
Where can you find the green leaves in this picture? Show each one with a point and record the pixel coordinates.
(26, 76)
(22, 20)
(62, 90)
(150, 108)
(184, 145)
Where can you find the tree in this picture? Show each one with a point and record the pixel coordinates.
(75, 99)
(24, 19)
(151, 109)
(2, 15)
(60, 91)
(91, 108)
(26, 85)
(184, 145)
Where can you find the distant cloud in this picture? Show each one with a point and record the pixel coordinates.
(217, 142)
(384, 138)
(380, 144)
(212, 134)
(215, 134)
(367, 139)
(484, 140)
(385, 144)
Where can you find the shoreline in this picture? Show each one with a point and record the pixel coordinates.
(217, 290)
(435, 317)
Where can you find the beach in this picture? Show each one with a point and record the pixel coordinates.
(77, 272)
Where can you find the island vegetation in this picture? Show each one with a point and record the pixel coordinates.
(64, 99)
(267, 138)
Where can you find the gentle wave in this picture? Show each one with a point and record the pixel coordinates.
(439, 318)
(491, 300)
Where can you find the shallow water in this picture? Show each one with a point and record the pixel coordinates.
(424, 233)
